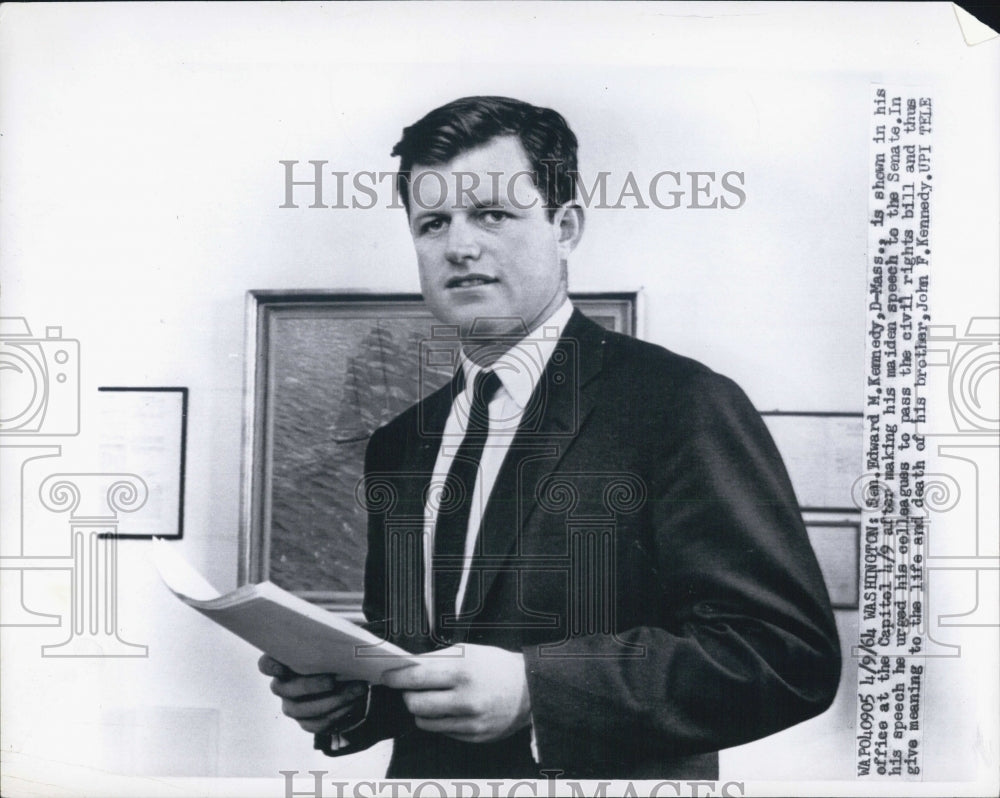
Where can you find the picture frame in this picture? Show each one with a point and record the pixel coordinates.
(836, 541)
(822, 451)
(324, 370)
(143, 430)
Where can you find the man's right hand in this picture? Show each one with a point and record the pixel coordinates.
(319, 703)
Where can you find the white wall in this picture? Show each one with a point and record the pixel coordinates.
(141, 190)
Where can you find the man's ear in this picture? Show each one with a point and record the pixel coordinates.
(568, 222)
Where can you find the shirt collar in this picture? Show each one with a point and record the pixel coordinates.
(521, 367)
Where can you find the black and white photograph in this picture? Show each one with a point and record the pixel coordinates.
(499, 399)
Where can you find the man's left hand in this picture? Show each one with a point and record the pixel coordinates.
(476, 694)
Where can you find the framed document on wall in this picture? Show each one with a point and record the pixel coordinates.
(822, 452)
(143, 431)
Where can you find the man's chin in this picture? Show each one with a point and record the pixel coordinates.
(480, 320)
(491, 328)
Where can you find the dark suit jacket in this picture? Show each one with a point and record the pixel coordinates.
(642, 547)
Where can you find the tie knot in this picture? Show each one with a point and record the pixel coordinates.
(485, 387)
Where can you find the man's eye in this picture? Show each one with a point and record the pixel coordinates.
(493, 217)
(432, 226)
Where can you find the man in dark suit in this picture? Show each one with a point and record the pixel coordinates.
(592, 541)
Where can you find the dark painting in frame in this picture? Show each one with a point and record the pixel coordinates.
(324, 370)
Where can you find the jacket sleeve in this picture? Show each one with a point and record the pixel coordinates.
(744, 643)
(387, 715)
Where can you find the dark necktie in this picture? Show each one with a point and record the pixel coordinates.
(456, 501)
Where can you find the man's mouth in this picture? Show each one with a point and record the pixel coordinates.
(470, 281)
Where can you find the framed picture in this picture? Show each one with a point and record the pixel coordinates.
(325, 370)
(143, 431)
(822, 452)
(836, 539)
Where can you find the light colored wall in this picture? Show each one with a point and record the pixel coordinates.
(147, 188)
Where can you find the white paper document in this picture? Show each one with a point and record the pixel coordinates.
(306, 638)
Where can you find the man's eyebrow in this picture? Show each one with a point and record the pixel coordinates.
(427, 213)
(468, 201)
(493, 201)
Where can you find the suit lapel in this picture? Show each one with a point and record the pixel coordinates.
(420, 453)
(405, 522)
(558, 408)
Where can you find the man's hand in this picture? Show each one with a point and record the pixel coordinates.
(319, 703)
(476, 694)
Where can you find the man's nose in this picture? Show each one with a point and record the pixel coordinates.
(462, 242)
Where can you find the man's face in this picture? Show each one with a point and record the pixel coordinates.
(485, 247)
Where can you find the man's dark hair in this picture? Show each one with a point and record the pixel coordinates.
(471, 122)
